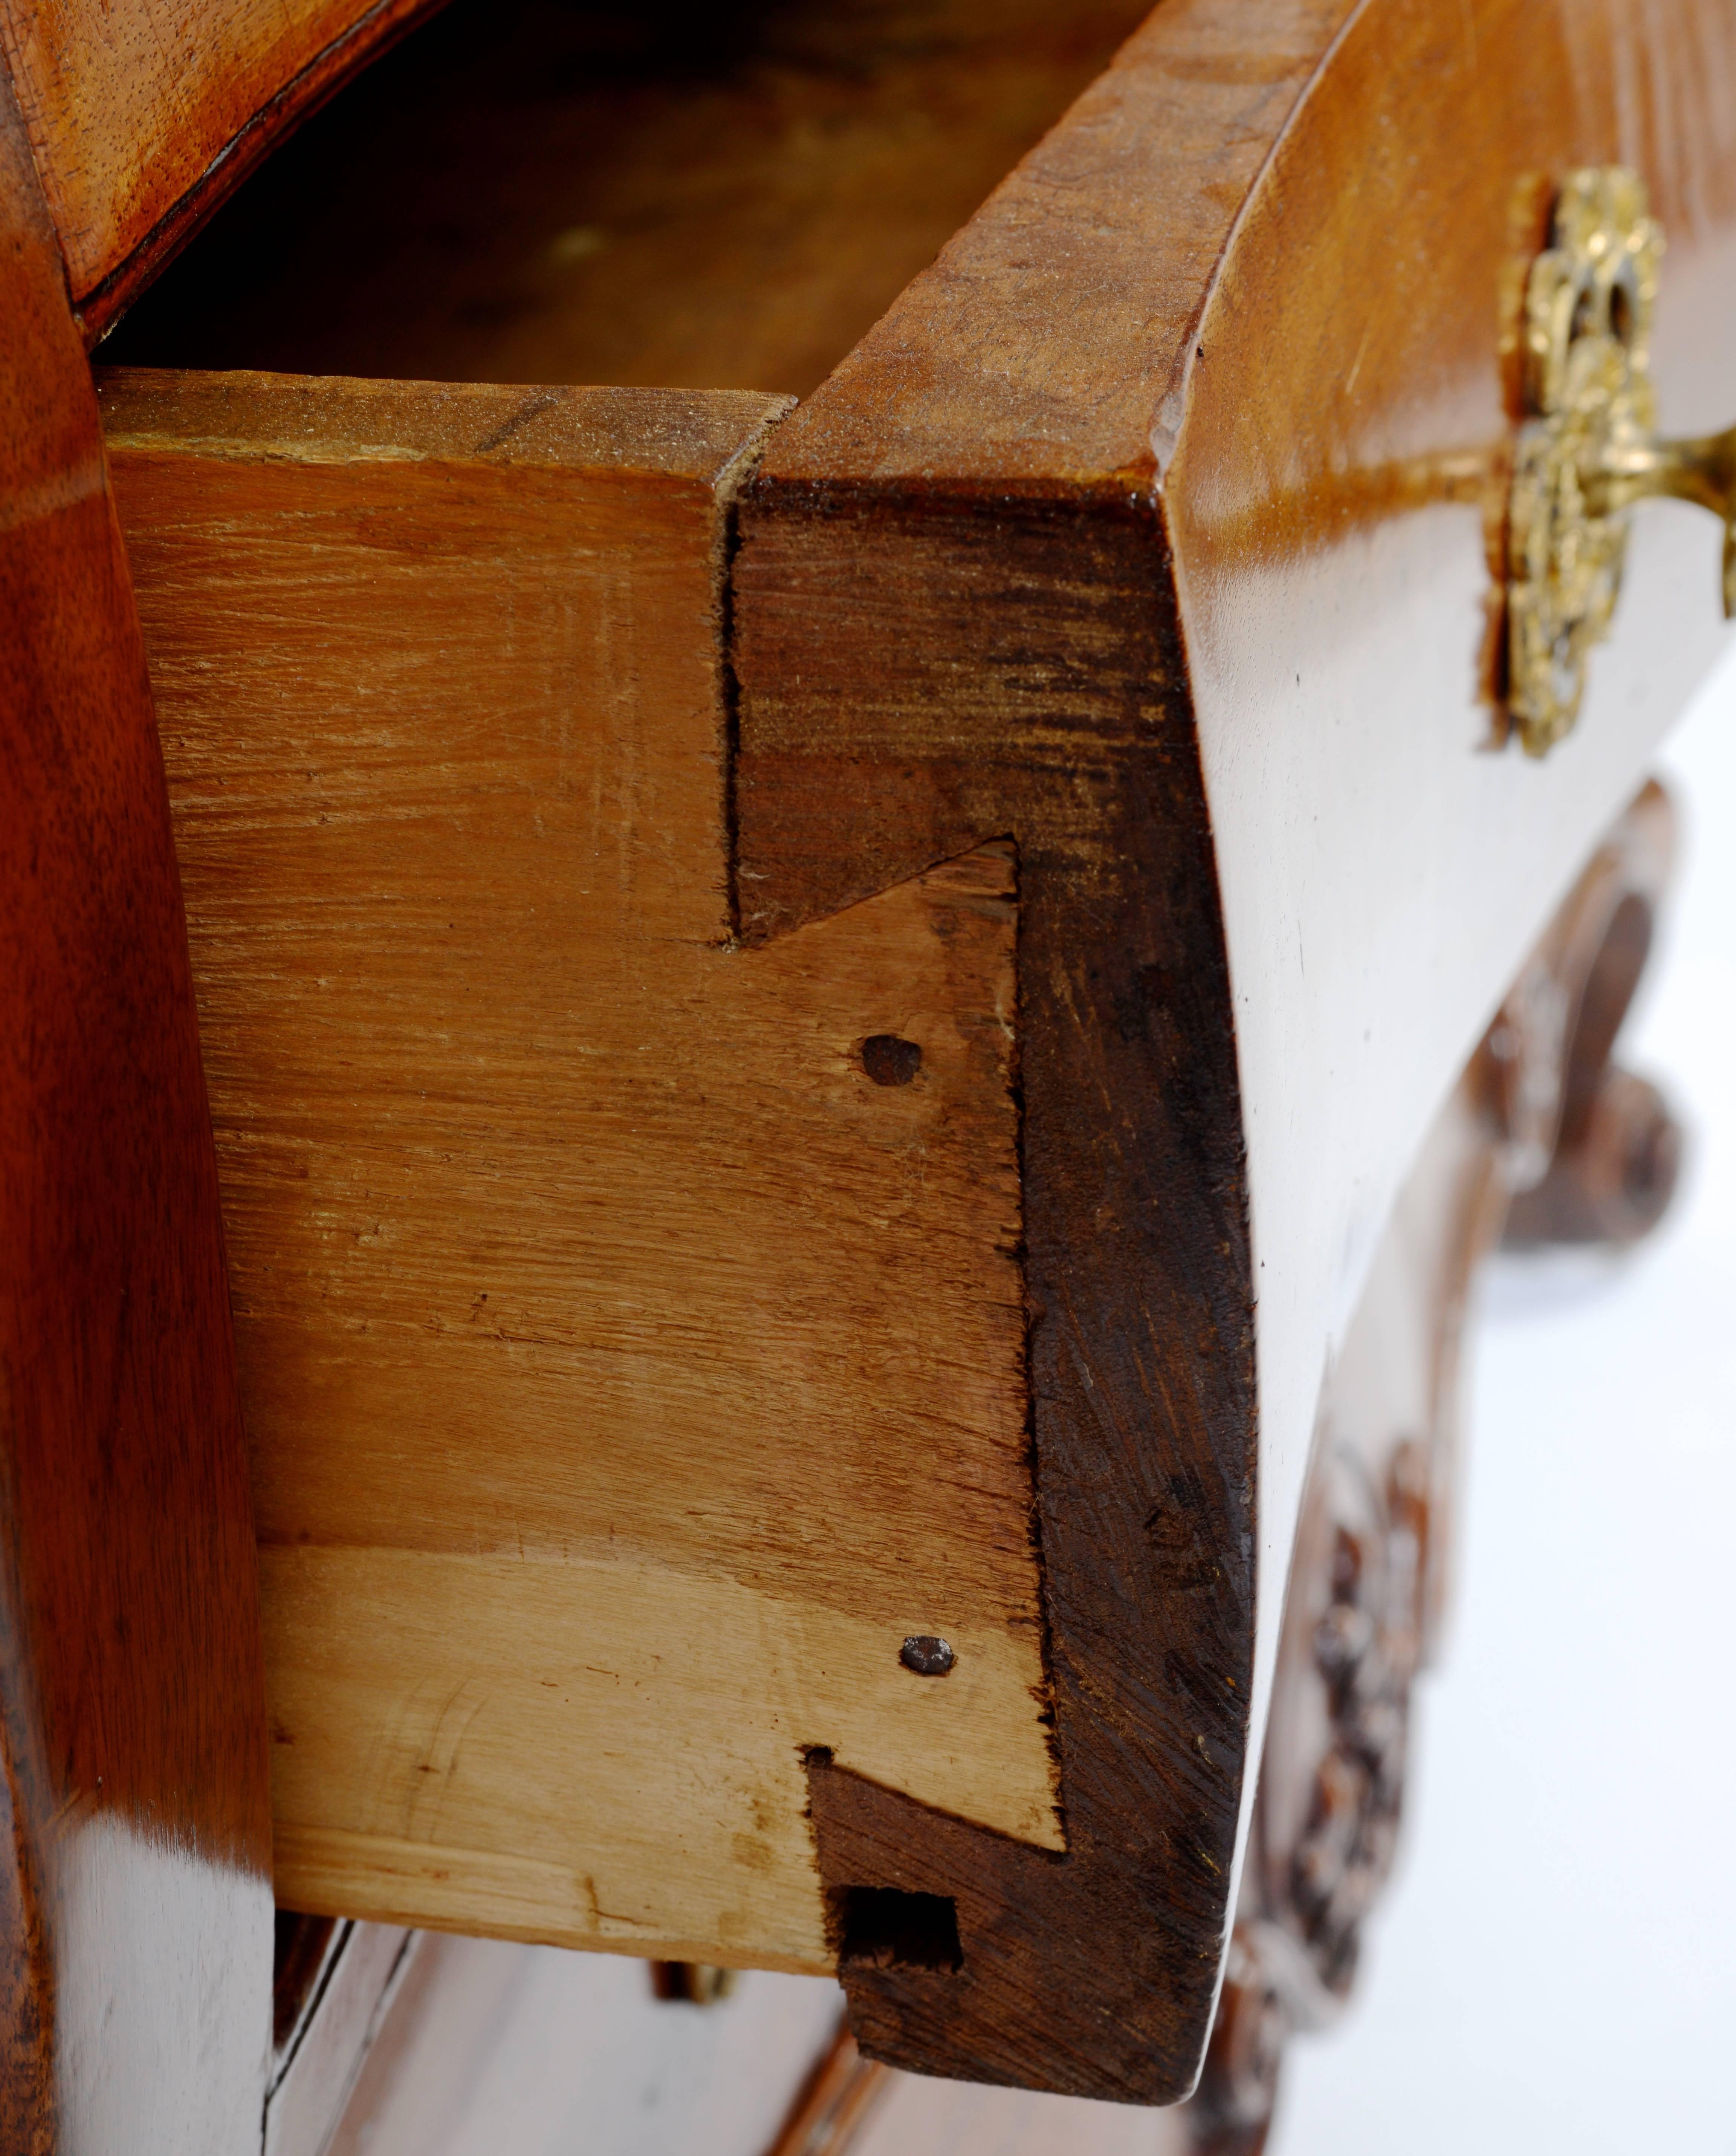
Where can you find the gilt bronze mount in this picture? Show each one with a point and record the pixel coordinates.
(1588, 450)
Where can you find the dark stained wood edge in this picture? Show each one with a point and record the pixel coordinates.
(955, 617)
(917, 676)
(98, 310)
(303, 1948)
(133, 1716)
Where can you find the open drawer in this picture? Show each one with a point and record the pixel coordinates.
(814, 1016)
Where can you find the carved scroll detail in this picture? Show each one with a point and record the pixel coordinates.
(1544, 1135)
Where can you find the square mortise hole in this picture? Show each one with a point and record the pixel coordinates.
(885, 1927)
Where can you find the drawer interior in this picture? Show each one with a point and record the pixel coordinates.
(662, 196)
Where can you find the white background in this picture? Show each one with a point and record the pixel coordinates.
(1554, 1967)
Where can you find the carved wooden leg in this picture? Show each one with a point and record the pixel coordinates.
(1545, 1135)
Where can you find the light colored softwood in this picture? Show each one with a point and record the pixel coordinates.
(627, 1373)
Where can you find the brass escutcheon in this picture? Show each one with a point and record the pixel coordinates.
(1588, 451)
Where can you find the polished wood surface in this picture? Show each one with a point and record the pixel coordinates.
(1386, 865)
(954, 612)
(630, 1324)
(649, 195)
(140, 114)
(135, 1889)
(1376, 1546)
(1165, 504)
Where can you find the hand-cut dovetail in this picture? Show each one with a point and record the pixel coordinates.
(890, 1060)
(928, 1656)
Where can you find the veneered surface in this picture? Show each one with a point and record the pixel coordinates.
(1335, 502)
(1070, 362)
(1041, 350)
(132, 106)
(1266, 218)
(135, 1797)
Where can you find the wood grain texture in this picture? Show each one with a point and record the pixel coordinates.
(1141, 1347)
(141, 114)
(648, 194)
(959, 625)
(135, 1889)
(628, 1372)
(1092, 258)
(1153, 525)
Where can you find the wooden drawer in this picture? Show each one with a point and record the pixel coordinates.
(814, 1016)
(631, 1322)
